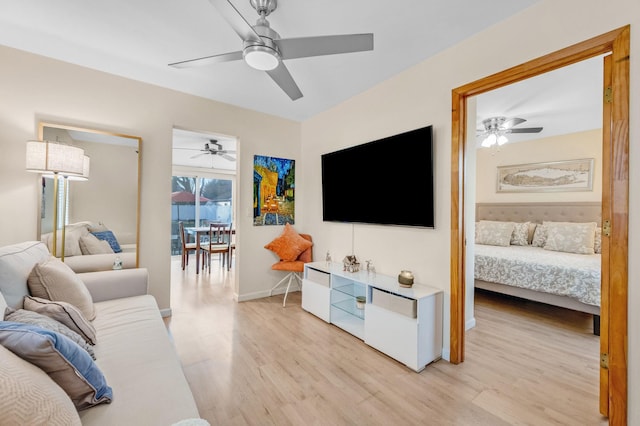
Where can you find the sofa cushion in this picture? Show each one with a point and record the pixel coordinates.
(110, 238)
(90, 244)
(65, 362)
(29, 317)
(289, 245)
(16, 263)
(54, 280)
(65, 313)
(28, 396)
(137, 356)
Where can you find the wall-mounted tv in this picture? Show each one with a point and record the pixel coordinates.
(387, 181)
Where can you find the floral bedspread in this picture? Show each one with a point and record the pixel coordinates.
(534, 268)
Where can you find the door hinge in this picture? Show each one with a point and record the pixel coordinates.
(604, 361)
(608, 95)
(606, 228)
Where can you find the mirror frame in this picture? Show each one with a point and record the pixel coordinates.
(43, 124)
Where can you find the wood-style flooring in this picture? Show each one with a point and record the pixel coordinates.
(257, 363)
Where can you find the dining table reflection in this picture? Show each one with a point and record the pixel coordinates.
(201, 232)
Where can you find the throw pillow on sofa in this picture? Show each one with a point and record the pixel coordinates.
(54, 280)
(28, 396)
(33, 318)
(65, 313)
(90, 244)
(109, 237)
(65, 362)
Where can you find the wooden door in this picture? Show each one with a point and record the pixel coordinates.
(615, 189)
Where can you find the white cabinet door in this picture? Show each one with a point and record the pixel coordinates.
(393, 334)
(316, 299)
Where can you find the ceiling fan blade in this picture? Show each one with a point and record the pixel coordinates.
(228, 157)
(225, 57)
(236, 20)
(283, 78)
(302, 47)
(198, 155)
(512, 122)
(526, 130)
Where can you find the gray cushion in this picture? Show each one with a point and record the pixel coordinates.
(65, 313)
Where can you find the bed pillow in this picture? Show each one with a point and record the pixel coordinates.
(539, 236)
(29, 397)
(29, 317)
(54, 280)
(65, 313)
(597, 241)
(289, 245)
(65, 362)
(494, 233)
(520, 234)
(571, 237)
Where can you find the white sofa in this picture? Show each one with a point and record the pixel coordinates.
(133, 349)
(77, 253)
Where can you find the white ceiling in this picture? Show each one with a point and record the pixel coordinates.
(138, 39)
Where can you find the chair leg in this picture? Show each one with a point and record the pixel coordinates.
(289, 277)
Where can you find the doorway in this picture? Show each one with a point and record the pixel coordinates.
(613, 377)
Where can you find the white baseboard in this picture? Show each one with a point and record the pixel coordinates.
(469, 324)
(446, 354)
(263, 293)
(165, 312)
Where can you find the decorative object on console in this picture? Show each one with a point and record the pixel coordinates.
(405, 278)
(360, 302)
(350, 263)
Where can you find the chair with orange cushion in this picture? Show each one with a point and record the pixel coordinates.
(294, 251)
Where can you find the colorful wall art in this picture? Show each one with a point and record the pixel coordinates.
(273, 190)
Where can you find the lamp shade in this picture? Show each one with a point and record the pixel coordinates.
(86, 166)
(51, 157)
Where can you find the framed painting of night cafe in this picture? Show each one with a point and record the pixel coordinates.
(273, 190)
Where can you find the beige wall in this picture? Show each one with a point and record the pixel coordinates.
(421, 96)
(565, 147)
(37, 89)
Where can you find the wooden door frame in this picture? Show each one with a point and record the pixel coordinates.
(615, 190)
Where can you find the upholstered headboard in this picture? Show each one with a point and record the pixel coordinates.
(538, 212)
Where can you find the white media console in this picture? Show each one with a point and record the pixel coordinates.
(403, 323)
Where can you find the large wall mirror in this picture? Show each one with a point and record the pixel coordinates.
(109, 198)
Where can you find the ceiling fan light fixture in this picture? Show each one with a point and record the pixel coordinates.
(262, 58)
(502, 139)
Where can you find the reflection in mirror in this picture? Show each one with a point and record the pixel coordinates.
(107, 201)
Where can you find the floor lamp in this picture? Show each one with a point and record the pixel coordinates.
(51, 158)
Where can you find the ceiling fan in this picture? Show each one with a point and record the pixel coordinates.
(214, 148)
(495, 129)
(263, 49)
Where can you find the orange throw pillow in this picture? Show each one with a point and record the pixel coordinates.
(289, 245)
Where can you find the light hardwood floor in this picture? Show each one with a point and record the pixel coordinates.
(257, 363)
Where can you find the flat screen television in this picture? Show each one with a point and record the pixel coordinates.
(387, 181)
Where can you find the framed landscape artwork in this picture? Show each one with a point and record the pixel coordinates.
(556, 176)
(273, 190)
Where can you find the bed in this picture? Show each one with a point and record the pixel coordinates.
(556, 277)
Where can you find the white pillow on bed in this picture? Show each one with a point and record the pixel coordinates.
(520, 234)
(571, 237)
(494, 233)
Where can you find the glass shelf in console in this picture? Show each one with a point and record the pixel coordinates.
(351, 289)
(349, 306)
